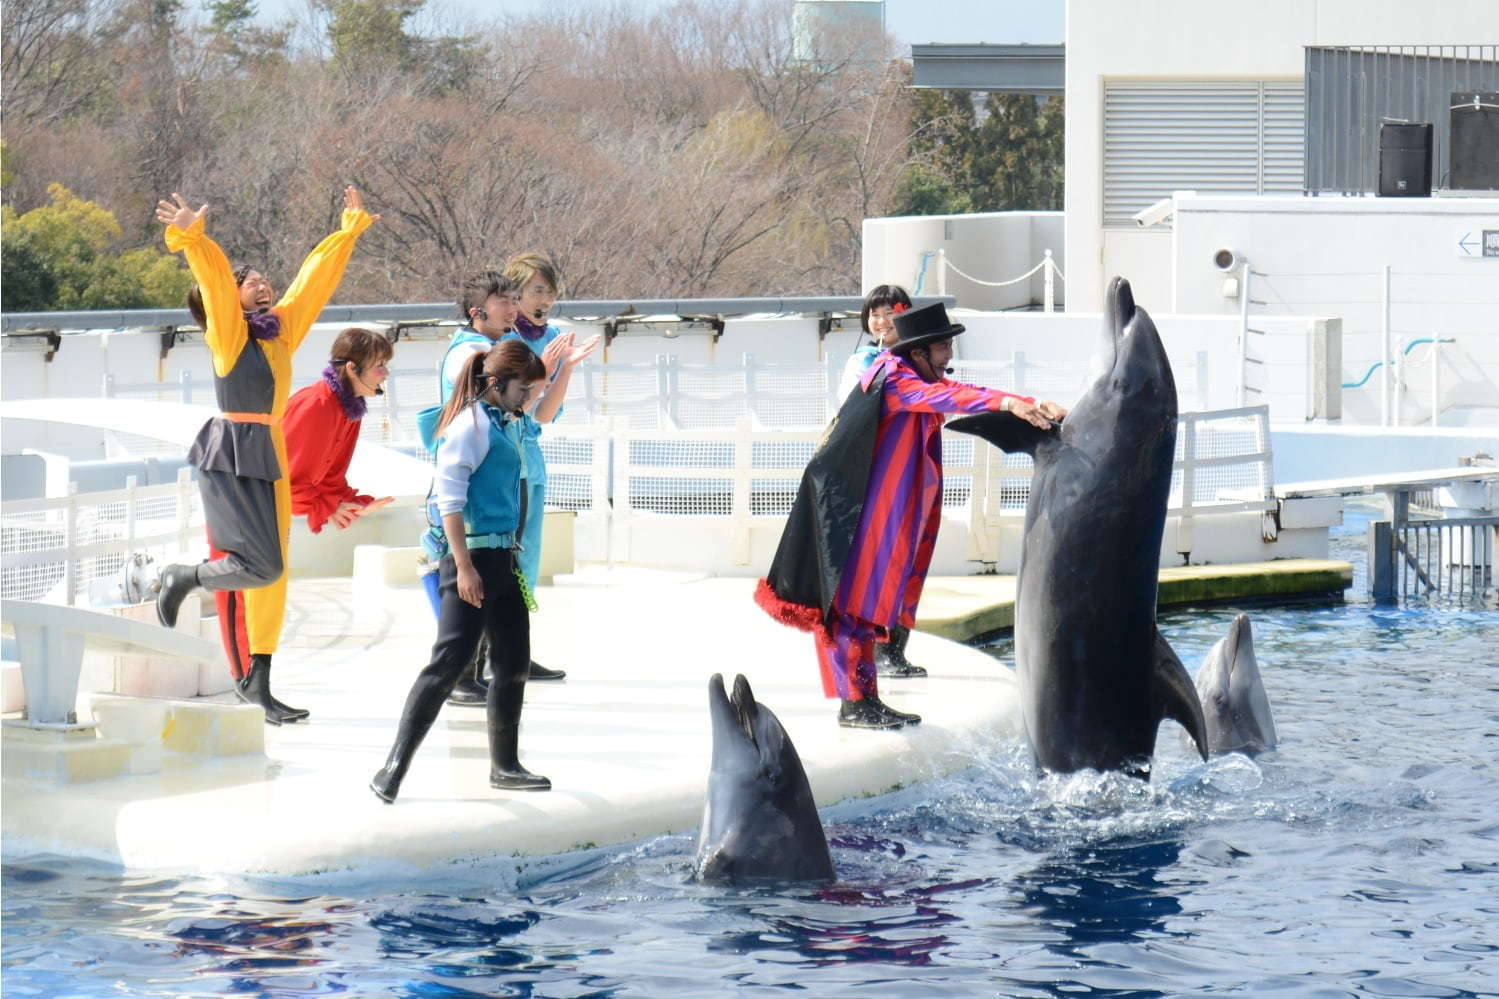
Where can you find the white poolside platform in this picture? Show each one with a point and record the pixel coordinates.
(625, 738)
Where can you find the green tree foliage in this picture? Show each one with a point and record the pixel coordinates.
(1009, 161)
(371, 33)
(58, 256)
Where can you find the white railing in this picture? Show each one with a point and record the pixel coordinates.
(726, 449)
(52, 549)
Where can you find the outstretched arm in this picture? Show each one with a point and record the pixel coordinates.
(226, 333)
(321, 272)
(906, 391)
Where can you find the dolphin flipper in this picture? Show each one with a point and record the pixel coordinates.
(1004, 431)
(1176, 695)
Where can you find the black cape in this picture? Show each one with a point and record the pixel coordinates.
(819, 534)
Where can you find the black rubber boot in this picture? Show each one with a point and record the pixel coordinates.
(505, 771)
(472, 689)
(890, 657)
(867, 713)
(177, 581)
(540, 672)
(905, 717)
(255, 688)
(422, 706)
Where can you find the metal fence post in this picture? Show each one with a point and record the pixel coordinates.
(184, 506)
(1436, 379)
(1187, 431)
(185, 380)
(1387, 361)
(739, 505)
(749, 386)
(1050, 299)
(1381, 561)
(108, 388)
(1243, 337)
(70, 544)
(663, 392)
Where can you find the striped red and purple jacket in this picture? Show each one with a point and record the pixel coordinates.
(892, 550)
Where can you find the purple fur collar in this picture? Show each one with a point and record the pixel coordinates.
(263, 325)
(353, 405)
(526, 328)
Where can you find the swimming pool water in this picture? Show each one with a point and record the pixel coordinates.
(1359, 859)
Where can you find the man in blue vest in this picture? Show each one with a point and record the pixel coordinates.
(489, 303)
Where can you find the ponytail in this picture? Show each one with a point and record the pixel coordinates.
(470, 386)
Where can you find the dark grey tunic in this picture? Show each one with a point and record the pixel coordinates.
(237, 471)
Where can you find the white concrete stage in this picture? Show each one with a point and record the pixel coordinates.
(625, 738)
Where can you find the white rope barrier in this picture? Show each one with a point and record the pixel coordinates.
(991, 284)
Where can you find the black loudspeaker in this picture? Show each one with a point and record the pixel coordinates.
(1404, 160)
(1474, 152)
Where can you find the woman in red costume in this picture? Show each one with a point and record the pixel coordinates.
(322, 426)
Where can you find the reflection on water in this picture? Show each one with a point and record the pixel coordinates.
(1356, 860)
(1109, 893)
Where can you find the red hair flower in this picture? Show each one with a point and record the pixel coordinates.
(899, 307)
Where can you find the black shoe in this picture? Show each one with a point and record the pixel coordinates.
(469, 691)
(890, 657)
(867, 713)
(518, 779)
(177, 581)
(255, 688)
(540, 672)
(905, 717)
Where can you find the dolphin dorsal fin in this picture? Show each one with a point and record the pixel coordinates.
(1175, 695)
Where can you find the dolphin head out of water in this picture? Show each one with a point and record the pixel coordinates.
(760, 820)
(1234, 703)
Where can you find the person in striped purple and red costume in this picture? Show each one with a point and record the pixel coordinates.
(859, 541)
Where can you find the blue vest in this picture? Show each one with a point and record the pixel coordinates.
(494, 488)
(466, 335)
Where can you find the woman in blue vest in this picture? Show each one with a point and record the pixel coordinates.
(480, 498)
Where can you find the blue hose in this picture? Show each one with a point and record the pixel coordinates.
(1408, 348)
(921, 274)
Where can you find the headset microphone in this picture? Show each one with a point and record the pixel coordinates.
(353, 370)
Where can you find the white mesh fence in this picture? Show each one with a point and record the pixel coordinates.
(656, 439)
(54, 549)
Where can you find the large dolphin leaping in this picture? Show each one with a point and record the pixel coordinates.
(1096, 677)
(1234, 702)
(760, 822)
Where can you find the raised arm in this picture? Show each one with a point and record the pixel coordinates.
(321, 272)
(226, 333)
(907, 391)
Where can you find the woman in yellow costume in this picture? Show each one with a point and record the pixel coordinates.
(241, 453)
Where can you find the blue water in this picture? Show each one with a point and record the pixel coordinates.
(1359, 859)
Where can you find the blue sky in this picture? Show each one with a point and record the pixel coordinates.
(911, 21)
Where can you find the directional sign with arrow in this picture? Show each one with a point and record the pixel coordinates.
(1476, 243)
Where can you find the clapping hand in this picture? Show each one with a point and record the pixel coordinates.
(579, 354)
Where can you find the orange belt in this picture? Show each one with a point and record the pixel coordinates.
(249, 418)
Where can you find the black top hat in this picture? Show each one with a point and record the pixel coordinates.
(921, 326)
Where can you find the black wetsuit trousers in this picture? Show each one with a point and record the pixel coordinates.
(503, 617)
